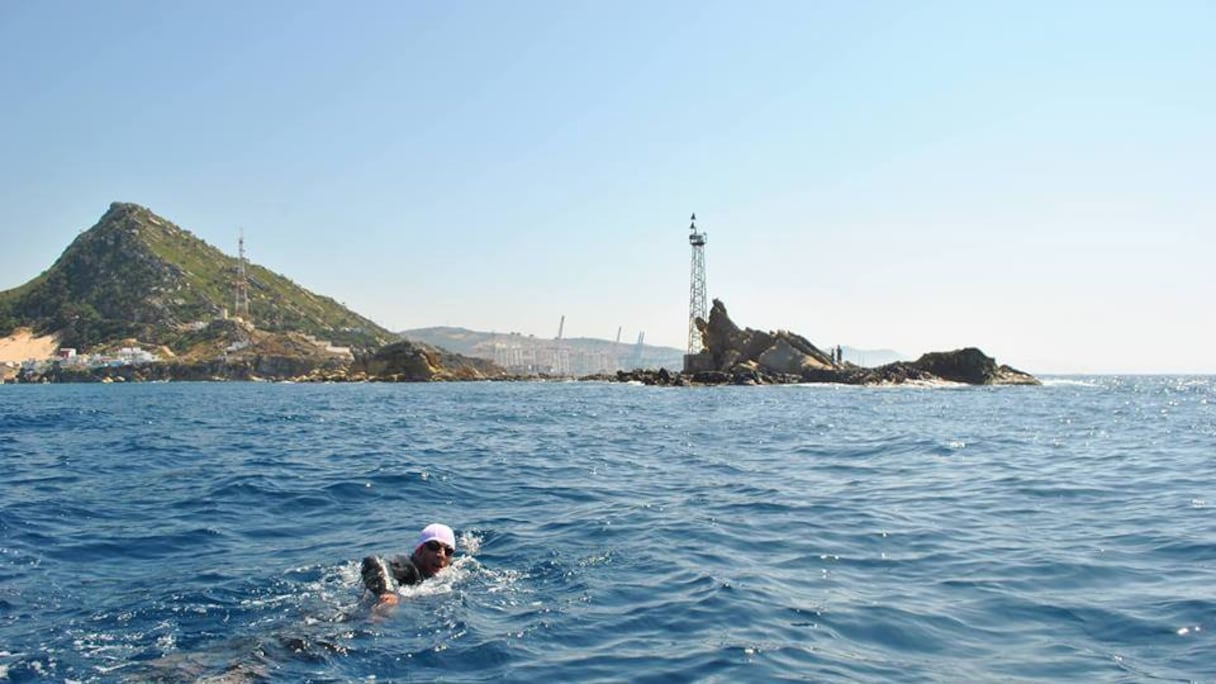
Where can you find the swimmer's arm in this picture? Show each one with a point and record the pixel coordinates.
(378, 580)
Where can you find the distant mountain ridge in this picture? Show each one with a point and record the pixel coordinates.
(136, 275)
(529, 354)
(625, 356)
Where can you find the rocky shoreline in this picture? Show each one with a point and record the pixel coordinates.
(743, 356)
(405, 364)
(731, 356)
(968, 366)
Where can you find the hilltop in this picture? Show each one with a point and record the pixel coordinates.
(136, 275)
(138, 292)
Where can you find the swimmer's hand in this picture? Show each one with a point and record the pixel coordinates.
(384, 606)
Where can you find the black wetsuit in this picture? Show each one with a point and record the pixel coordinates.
(383, 577)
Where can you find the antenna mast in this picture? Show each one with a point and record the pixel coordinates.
(696, 292)
(241, 308)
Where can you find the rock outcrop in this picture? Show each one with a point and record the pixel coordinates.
(407, 361)
(746, 356)
(731, 349)
(973, 367)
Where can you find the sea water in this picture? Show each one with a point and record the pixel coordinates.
(212, 532)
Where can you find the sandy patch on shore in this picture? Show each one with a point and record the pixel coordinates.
(21, 345)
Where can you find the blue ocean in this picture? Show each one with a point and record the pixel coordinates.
(611, 532)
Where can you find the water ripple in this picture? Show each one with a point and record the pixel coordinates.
(185, 532)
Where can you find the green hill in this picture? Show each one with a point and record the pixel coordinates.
(137, 275)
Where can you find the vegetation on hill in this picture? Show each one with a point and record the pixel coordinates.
(137, 275)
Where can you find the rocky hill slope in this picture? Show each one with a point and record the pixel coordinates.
(136, 275)
(143, 299)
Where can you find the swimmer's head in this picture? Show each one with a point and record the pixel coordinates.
(434, 549)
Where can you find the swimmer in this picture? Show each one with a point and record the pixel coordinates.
(433, 552)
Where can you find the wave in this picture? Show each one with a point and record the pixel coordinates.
(212, 532)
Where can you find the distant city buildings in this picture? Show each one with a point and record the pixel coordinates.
(133, 356)
(530, 359)
(68, 357)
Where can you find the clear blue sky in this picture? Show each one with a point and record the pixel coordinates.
(1032, 178)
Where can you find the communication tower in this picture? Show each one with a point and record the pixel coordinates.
(696, 292)
(241, 308)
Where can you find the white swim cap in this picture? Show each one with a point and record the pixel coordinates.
(436, 532)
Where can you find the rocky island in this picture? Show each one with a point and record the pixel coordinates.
(743, 356)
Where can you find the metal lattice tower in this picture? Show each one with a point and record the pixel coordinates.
(696, 292)
(241, 307)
